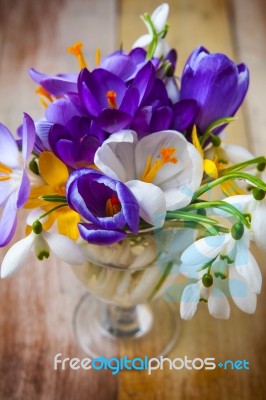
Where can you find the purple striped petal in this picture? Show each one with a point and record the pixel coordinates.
(28, 137)
(96, 235)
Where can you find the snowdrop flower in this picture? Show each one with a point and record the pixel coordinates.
(214, 259)
(40, 243)
(255, 205)
(193, 293)
(162, 170)
(14, 181)
(157, 28)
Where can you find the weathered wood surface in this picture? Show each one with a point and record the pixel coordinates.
(36, 306)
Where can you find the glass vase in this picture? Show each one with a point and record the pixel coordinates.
(124, 312)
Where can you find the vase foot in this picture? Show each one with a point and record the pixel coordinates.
(103, 329)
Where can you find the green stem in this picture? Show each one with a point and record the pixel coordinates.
(238, 167)
(52, 210)
(223, 206)
(165, 274)
(213, 125)
(190, 217)
(240, 175)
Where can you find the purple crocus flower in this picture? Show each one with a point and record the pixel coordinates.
(216, 83)
(14, 182)
(126, 66)
(76, 142)
(108, 205)
(57, 85)
(108, 99)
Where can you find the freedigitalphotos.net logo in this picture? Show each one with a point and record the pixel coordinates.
(146, 364)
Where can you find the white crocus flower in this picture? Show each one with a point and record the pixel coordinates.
(156, 25)
(162, 170)
(224, 257)
(247, 204)
(40, 243)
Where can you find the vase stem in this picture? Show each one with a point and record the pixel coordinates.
(126, 322)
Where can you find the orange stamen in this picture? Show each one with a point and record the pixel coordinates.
(5, 169)
(113, 206)
(97, 57)
(151, 170)
(4, 178)
(43, 92)
(76, 50)
(111, 98)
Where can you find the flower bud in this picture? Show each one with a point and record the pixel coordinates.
(261, 167)
(258, 194)
(207, 280)
(216, 141)
(37, 227)
(237, 231)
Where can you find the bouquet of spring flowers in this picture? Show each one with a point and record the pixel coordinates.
(128, 145)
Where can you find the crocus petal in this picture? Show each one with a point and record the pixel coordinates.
(61, 111)
(112, 120)
(185, 112)
(243, 297)
(28, 137)
(131, 210)
(53, 170)
(218, 304)
(16, 256)
(24, 190)
(151, 201)
(189, 301)
(57, 85)
(115, 157)
(8, 221)
(96, 235)
(91, 104)
(67, 223)
(9, 154)
(65, 248)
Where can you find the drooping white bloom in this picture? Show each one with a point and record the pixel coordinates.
(155, 25)
(218, 304)
(247, 204)
(224, 257)
(162, 170)
(41, 244)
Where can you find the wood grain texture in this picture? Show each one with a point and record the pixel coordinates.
(221, 26)
(36, 306)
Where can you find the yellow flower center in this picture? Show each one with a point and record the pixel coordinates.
(113, 206)
(5, 170)
(76, 50)
(111, 99)
(151, 169)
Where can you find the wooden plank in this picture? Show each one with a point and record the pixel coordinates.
(248, 21)
(36, 305)
(211, 23)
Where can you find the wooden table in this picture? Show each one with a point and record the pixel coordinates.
(36, 305)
